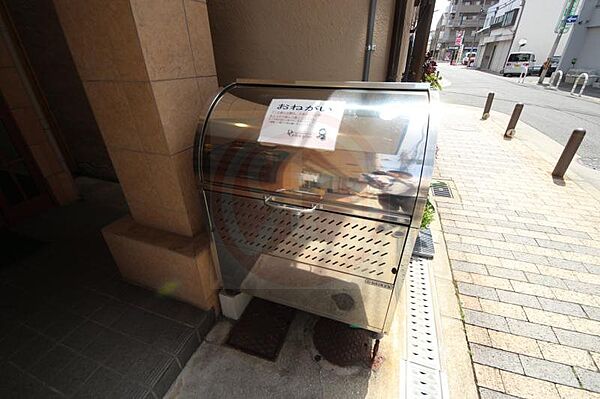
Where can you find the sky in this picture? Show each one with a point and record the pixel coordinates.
(440, 6)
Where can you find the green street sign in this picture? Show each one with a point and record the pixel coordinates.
(564, 20)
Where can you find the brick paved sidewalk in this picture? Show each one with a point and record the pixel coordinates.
(525, 255)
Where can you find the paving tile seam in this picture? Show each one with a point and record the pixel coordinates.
(519, 354)
(556, 385)
(536, 324)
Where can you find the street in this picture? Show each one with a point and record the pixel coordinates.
(556, 114)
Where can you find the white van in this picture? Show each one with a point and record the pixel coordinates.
(516, 62)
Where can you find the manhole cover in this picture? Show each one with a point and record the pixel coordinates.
(590, 162)
(341, 344)
(262, 329)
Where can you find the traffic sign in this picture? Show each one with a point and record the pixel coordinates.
(569, 10)
(571, 19)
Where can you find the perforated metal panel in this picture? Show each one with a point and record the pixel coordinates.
(361, 247)
(423, 374)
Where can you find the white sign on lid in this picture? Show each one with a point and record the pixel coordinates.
(302, 123)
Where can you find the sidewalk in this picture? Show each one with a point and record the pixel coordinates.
(525, 255)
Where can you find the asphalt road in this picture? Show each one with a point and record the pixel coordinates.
(555, 114)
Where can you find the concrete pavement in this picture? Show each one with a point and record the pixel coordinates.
(554, 113)
(524, 250)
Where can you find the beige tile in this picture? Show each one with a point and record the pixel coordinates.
(29, 125)
(586, 325)
(177, 222)
(122, 32)
(574, 393)
(166, 182)
(163, 33)
(528, 388)
(135, 178)
(532, 289)
(460, 377)
(446, 298)
(462, 276)
(491, 281)
(548, 318)
(566, 354)
(502, 309)
(85, 26)
(200, 37)
(170, 264)
(114, 115)
(478, 335)
(515, 343)
(193, 200)
(578, 297)
(519, 265)
(488, 377)
(596, 357)
(483, 259)
(12, 89)
(145, 117)
(469, 302)
(178, 102)
(102, 38)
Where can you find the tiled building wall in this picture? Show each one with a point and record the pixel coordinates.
(145, 69)
(148, 70)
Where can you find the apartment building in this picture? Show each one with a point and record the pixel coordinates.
(519, 25)
(461, 17)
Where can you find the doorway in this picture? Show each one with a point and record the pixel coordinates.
(23, 191)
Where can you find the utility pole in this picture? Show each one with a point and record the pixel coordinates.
(569, 8)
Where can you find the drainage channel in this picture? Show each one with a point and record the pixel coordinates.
(422, 369)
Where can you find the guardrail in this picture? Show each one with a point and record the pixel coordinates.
(586, 77)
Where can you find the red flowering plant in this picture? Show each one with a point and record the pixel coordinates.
(430, 72)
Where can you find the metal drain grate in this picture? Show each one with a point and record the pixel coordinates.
(358, 246)
(424, 247)
(441, 189)
(423, 375)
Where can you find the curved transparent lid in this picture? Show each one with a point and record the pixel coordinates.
(371, 158)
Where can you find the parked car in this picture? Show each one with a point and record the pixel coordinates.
(537, 69)
(469, 59)
(516, 61)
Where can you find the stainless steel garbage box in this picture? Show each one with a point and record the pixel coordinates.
(315, 192)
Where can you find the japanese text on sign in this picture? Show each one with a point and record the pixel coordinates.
(302, 123)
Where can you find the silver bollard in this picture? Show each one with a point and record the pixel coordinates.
(514, 118)
(488, 106)
(568, 153)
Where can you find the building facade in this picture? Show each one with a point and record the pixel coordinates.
(461, 17)
(519, 25)
(582, 51)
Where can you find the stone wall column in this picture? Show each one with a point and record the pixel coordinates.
(148, 70)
